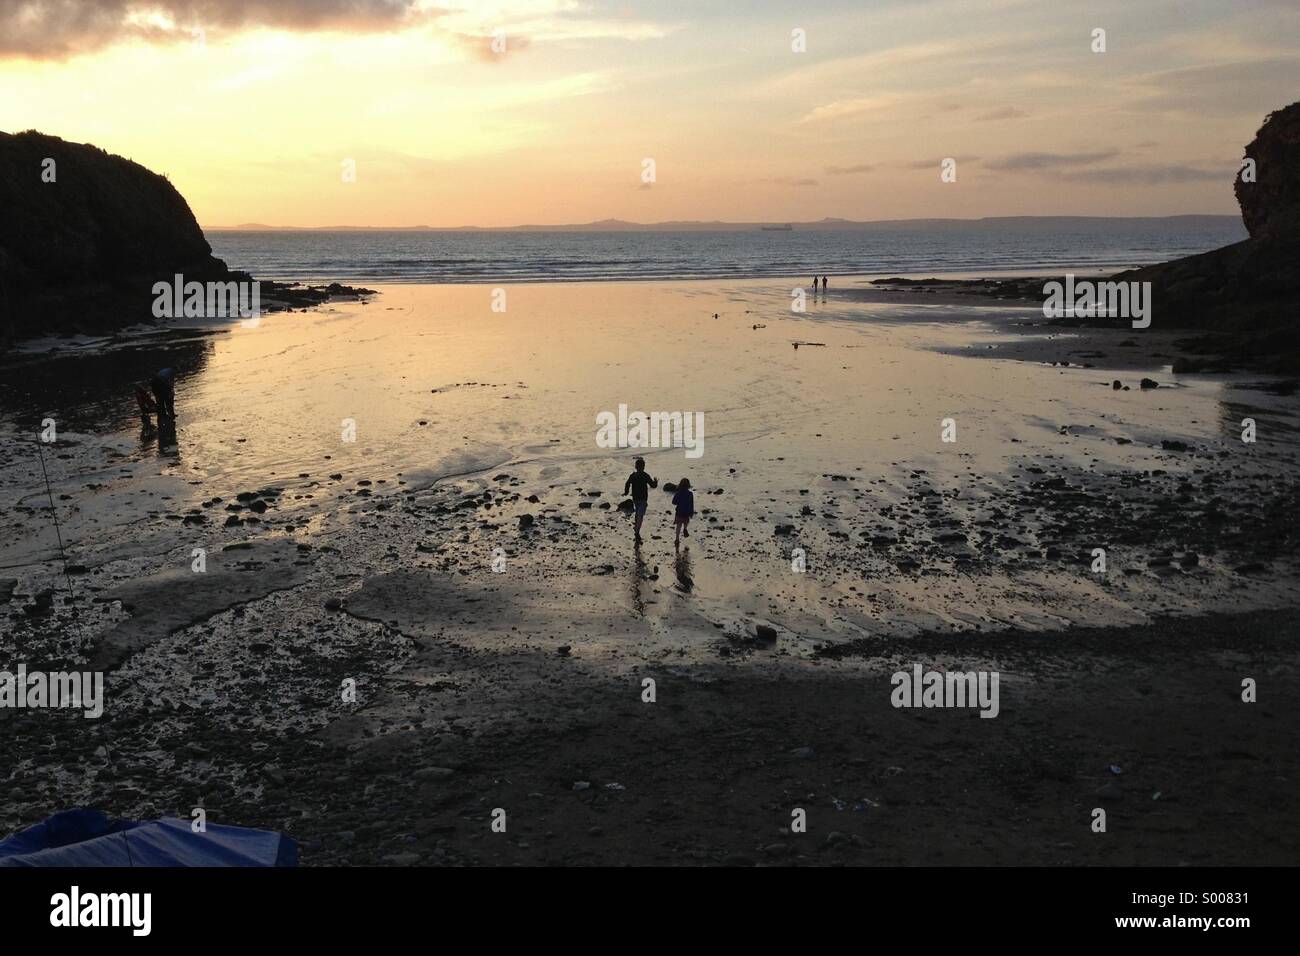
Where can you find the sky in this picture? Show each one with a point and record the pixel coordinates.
(503, 113)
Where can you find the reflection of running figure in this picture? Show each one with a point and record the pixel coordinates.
(639, 483)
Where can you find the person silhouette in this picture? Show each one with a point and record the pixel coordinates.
(163, 385)
(684, 500)
(145, 401)
(639, 483)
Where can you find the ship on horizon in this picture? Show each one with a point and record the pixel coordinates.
(784, 228)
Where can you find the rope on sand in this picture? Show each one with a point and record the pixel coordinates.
(55, 515)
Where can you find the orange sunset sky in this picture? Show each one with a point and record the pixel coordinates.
(252, 108)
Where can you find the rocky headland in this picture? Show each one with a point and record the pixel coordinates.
(85, 235)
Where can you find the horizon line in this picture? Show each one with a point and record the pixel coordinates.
(597, 224)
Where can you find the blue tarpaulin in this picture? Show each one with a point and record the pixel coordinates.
(89, 838)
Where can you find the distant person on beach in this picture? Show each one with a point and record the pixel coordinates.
(684, 500)
(639, 483)
(163, 385)
(823, 284)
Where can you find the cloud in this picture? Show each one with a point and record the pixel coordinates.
(1151, 175)
(1048, 162)
(934, 163)
(1006, 113)
(1066, 166)
(482, 46)
(848, 170)
(1219, 89)
(57, 29)
(813, 75)
(789, 181)
(850, 107)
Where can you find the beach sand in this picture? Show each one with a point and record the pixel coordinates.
(372, 561)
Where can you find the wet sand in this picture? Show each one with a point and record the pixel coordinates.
(372, 561)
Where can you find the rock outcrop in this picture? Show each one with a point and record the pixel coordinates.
(1270, 206)
(1245, 296)
(84, 235)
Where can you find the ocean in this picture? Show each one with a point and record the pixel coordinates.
(902, 249)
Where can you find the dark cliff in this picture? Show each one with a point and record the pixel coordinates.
(1270, 206)
(81, 253)
(1245, 296)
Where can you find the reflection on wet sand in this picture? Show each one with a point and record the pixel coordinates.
(165, 434)
(682, 568)
(91, 388)
(638, 579)
(160, 437)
